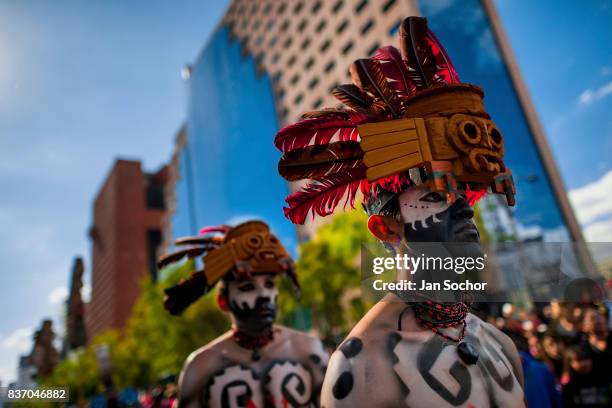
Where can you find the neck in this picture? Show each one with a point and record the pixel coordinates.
(253, 341)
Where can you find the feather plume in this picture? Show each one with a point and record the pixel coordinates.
(198, 240)
(313, 162)
(319, 130)
(368, 76)
(322, 196)
(395, 70)
(445, 69)
(190, 252)
(180, 296)
(415, 50)
(216, 229)
(353, 97)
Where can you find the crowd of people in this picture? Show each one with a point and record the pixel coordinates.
(566, 352)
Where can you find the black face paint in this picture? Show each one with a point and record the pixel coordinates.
(451, 225)
(252, 302)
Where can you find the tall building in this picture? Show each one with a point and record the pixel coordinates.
(269, 61)
(76, 334)
(125, 234)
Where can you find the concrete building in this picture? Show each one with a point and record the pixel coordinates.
(270, 61)
(125, 234)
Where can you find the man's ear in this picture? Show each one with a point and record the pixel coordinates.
(385, 228)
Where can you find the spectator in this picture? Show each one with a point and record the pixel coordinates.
(540, 388)
(551, 353)
(586, 387)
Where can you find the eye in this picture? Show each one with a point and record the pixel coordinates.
(269, 284)
(432, 197)
(246, 287)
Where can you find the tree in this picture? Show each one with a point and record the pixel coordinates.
(329, 273)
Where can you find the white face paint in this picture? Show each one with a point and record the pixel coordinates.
(245, 292)
(419, 203)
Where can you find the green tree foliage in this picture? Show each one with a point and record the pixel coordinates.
(330, 276)
(153, 344)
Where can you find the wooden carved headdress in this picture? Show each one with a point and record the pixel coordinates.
(408, 121)
(248, 248)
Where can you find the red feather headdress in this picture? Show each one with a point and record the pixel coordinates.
(389, 110)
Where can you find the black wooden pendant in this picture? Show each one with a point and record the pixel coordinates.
(256, 355)
(468, 353)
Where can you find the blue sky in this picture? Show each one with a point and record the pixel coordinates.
(84, 82)
(80, 84)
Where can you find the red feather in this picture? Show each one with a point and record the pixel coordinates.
(444, 66)
(219, 228)
(394, 68)
(322, 196)
(319, 130)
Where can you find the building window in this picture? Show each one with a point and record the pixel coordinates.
(270, 25)
(334, 86)
(321, 26)
(267, 9)
(317, 103)
(285, 25)
(302, 25)
(291, 61)
(373, 49)
(316, 7)
(281, 8)
(361, 6)
(273, 41)
(295, 78)
(387, 6)
(325, 45)
(284, 113)
(275, 58)
(154, 239)
(338, 6)
(348, 47)
(288, 43)
(342, 26)
(367, 26)
(309, 63)
(314, 82)
(330, 65)
(277, 77)
(298, 99)
(395, 27)
(305, 43)
(280, 94)
(256, 25)
(298, 7)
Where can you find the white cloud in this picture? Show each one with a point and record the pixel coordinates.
(594, 95)
(593, 200)
(600, 231)
(58, 295)
(20, 340)
(593, 206)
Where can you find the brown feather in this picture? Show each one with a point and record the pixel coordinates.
(353, 97)
(318, 161)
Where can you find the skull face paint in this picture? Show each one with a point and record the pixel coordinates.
(427, 217)
(252, 302)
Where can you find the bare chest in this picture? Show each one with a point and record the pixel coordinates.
(277, 379)
(422, 369)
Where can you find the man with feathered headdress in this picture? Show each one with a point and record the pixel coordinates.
(257, 363)
(421, 148)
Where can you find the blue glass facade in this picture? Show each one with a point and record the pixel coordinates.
(464, 29)
(228, 166)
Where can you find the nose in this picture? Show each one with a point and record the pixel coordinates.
(462, 210)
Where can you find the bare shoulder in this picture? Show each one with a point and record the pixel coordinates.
(198, 369)
(307, 347)
(363, 362)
